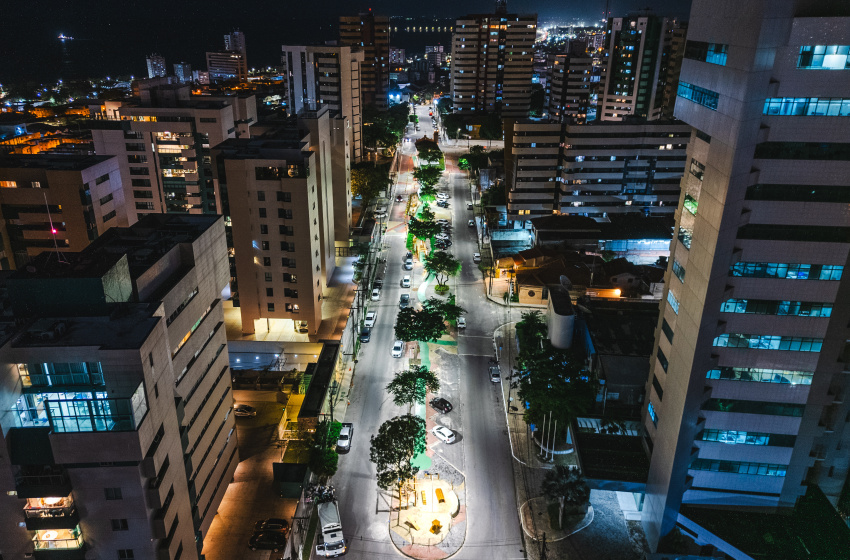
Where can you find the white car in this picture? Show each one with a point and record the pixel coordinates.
(443, 434)
(443, 221)
(380, 214)
(471, 223)
(398, 349)
(244, 410)
(476, 257)
(370, 319)
(408, 264)
(442, 236)
(405, 282)
(442, 196)
(376, 294)
(461, 322)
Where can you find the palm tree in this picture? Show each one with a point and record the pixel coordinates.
(567, 485)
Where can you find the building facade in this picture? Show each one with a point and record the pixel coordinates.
(63, 203)
(492, 59)
(326, 76)
(371, 34)
(751, 347)
(156, 66)
(183, 73)
(594, 169)
(573, 84)
(116, 394)
(232, 62)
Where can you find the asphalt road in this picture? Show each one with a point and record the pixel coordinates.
(482, 453)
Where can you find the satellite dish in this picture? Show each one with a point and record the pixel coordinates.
(565, 283)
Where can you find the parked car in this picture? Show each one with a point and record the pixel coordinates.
(378, 283)
(301, 327)
(443, 244)
(399, 198)
(244, 410)
(405, 281)
(461, 322)
(370, 319)
(273, 525)
(442, 195)
(407, 255)
(343, 444)
(476, 257)
(376, 294)
(443, 434)
(380, 215)
(267, 540)
(365, 334)
(408, 264)
(442, 204)
(471, 223)
(441, 404)
(442, 221)
(398, 349)
(495, 375)
(404, 301)
(469, 206)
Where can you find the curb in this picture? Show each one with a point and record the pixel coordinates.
(588, 519)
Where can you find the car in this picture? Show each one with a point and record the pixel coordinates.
(469, 206)
(442, 221)
(381, 208)
(442, 196)
(272, 525)
(443, 244)
(244, 410)
(471, 223)
(405, 281)
(301, 327)
(440, 236)
(476, 257)
(407, 255)
(408, 264)
(461, 322)
(376, 294)
(343, 444)
(378, 283)
(441, 404)
(404, 301)
(442, 204)
(370, 319)
(399, 198)
(443, 434)
(380, 214)
(365, 334)
(267, 540)
(495, 375)
(398, 349)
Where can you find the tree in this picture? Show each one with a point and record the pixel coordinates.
(428, 150)
(426, 214)
(444, 105)
(427, 176)
(453, 125)
(409, 387)
(567, 485)
(423, 229)
(442, 265)
(424, 325)
(323, 462)
(394, 446)
(491, 128)
(367, 180)
(448, 310)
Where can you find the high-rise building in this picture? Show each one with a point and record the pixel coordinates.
(183, 72)
(156, 66)
(435, 54)
(232, 62)
(118, 432)
(575, 80)
(752, 342)
(492, 59)
(397, 57)
(163, 144)
(319, 76)
(674, 50)
(637, 53)
(371, 34)
(594, 169)
(53, 202)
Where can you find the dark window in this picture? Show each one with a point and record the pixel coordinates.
(780, 232)
(289, 278)
(262, 212)
(803, 151)
(284, 213)
(265, 245)
(144, 206)
(140, 182)
(125, 554)
(112, 493)
(271, 307)
(754, 407)
(264, 229)
(261, 196)
(103, 178)
(119, 524)
(208, 120)
(106, 198)
(799, 193)
(139, 171)
(284, 196)
(142, 194)
(137, 159)
(270, 292)
(703, 136)
(657, 385)
(285, 230)
(156, 390)
(662, 359)
(713, 53)
(268, 276)
(267, 261)
(290, 293)
(108, 216)
(667, 330)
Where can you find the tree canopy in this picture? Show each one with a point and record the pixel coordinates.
(427, 176)
(367, 180)
(448, 310)
(442, 265)
(428, 150)
(567, 485)
(423, 229)
(410, 387)
(394, 446)
(491, 128)
(424, 325)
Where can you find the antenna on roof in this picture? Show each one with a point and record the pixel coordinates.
(53, 232)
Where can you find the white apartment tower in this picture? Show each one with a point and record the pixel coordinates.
(752, 341)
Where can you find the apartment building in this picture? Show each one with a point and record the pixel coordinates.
(276, 187)
(115, 395)
(751, 348)
(163, 144)
(574, 82)
(492, 58)
(371, 34)
(156, 66)
(593, 169)
(57, 202)
(232, 62)
(318, 76)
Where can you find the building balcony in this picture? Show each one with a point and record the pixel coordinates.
(36, 483)
(51, 513)
(59, 544)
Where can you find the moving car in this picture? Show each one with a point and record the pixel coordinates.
(398, 349)
(376, 294)
(471, 223)
(399, 198)
(461, 322)
(345, 434)
(244, 410)
(408, 264)
(405, 282)
(495, 375)
(443, 434)
(273, 525)
(267, 540)
(441, 404)
(404, 301)
(365, 334)
(370, 319)
(476, 257)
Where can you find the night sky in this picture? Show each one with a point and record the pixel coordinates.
(114, 37)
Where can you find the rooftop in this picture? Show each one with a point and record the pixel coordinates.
(623, 328)
(620, 226)
(50, 161)
(128, 326)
